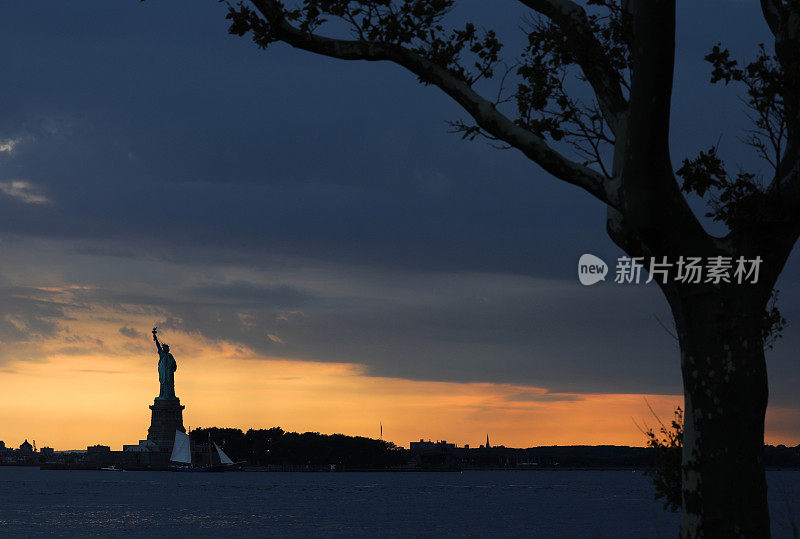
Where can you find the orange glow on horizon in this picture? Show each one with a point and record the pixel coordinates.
(81, 392)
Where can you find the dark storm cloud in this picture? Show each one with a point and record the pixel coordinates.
(205, 143)
(203, 140)
(143, 134)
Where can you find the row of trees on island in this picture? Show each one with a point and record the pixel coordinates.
(660, 458)
(264, 447)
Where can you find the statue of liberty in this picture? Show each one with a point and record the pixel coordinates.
(166, 370)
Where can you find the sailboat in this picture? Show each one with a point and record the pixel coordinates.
(182, 456)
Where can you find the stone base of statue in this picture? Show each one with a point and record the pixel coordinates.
(166, 418)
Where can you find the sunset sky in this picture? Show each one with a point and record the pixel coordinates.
(318, 251)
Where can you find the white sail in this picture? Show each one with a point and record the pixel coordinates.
(181, 450)
(223, 458)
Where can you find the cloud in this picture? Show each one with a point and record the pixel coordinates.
(8, 145)
(131, 333)
(542, 396)
(442, 326)
(28, 320)
(456, 327)
(274, 338)
(246, 293)
(27, 316)
(24, 191)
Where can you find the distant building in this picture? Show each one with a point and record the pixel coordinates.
(423, 445)
(93, 449)
(26, 448)
(436, 454)
(144, 446)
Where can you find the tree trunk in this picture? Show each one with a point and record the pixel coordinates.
(725, 389)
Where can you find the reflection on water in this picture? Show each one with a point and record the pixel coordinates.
(510, 503)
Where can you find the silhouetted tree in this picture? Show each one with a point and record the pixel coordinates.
(666, 471)
(274, 446)
(232, 441)
(259, 443)
(624, 52)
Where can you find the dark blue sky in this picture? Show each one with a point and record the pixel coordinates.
(279, 182)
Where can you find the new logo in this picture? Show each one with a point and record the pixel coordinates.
(591, 270)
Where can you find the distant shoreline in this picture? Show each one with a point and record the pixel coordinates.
(317, 469)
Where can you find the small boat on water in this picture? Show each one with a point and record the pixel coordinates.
(111, 468)
(182, 456)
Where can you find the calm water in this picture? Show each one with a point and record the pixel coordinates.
(535, 503)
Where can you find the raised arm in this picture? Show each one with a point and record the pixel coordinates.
(155, 338)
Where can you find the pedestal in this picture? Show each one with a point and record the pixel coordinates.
(166, 418)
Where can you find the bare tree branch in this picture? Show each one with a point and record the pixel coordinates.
(603, 78)
(482, 110)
